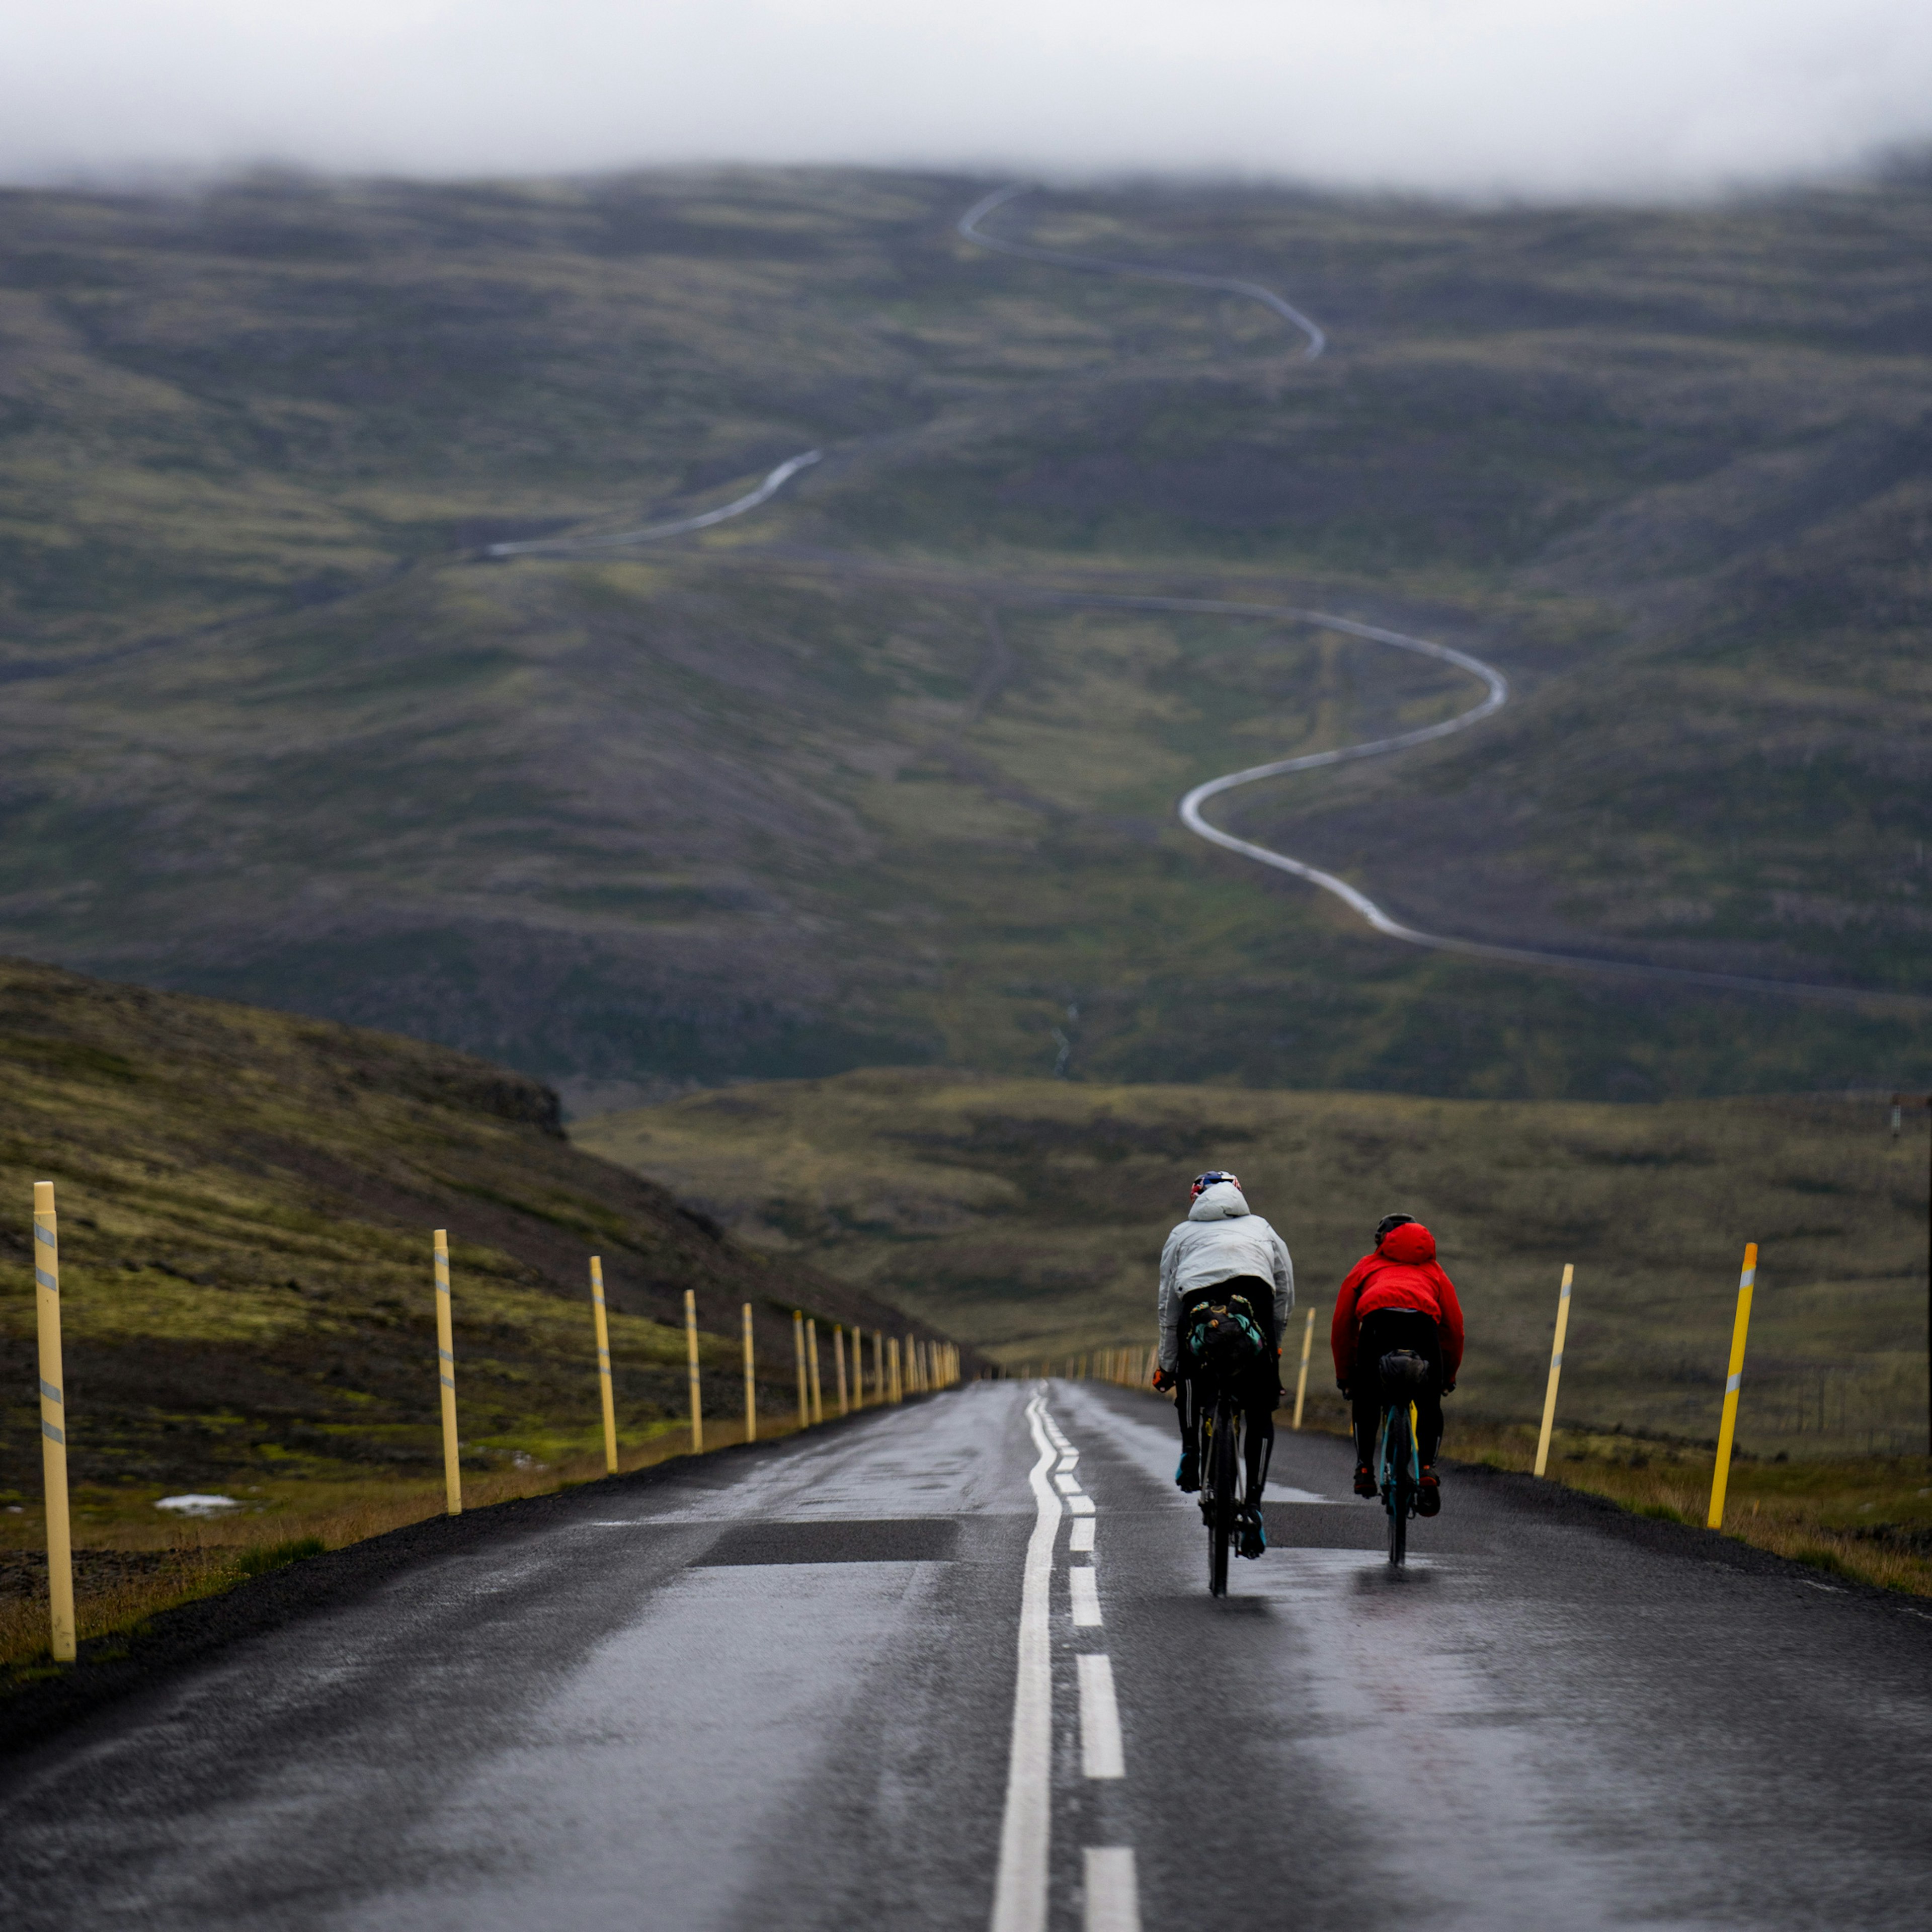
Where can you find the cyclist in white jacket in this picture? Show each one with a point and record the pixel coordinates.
(1225, 1255)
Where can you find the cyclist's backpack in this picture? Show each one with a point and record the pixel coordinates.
(1224, 1335)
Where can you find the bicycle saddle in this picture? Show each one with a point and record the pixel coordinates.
(1404, 1369)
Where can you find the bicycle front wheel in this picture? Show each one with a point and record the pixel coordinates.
(1223, 1473)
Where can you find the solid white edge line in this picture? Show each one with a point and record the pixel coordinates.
(1019, 1889)
(1102, 1754)
(1084, 1593)
(1113, 1890)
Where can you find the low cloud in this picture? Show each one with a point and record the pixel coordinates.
(1542, 98)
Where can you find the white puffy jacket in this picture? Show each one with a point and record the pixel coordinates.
(1220, 1239)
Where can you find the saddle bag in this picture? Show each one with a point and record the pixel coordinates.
(1404, 1372)
(1224, 1336)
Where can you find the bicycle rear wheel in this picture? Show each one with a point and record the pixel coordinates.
(1223, 1475)
(1397, 1498)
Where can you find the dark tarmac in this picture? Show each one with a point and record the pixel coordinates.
(779, 1688)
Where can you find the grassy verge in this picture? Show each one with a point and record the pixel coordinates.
(1869, 1518)
(129, 1572)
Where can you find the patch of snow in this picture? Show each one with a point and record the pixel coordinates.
(196, 1505)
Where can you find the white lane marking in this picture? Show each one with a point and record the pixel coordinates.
(623, 1522)
(1069, 1459)
(1067, 1485)
(1101, 1755)
(1081, 1536)
(1080, 1505)
(1292, 1495)
(1084, 1588)
(651, 533)
(1019, 1891)
(1113, 1893)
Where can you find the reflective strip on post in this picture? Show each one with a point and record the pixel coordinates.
(1556, 1368)
(1720, 1476)
(61, 1628)
(445, 1367)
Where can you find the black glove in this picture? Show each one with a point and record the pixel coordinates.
(1348, 1394)
(1448, 1388)
(1163, 1379)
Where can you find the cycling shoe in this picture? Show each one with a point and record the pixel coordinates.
(1254, 1534)
(1365, 1479)
(1428, 1494)
(1187, 1477)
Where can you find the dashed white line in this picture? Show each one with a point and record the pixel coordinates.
(1113, 1891)
(1101, 1752)
(1081, 1536)
(1084, 1588)
(1080, 1505)
(1067, 1485)
(1070, 1458)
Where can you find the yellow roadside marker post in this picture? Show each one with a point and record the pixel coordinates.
(751, 1381)
(446, 1370)
(1301, 1385)
(1720, 1476)
(892, 1364)
(798, 1348)
(858, 1368)
(603, 1364)
(53, 1425)
(691, 1360)
(812, 1364)
(839, 1356)
(1556, 1368)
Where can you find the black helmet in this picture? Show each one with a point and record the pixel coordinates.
(1389, 1223)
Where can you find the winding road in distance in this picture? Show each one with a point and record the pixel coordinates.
(953, 1667)
(1495, 686)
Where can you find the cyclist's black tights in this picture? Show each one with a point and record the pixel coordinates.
(1387, 1329)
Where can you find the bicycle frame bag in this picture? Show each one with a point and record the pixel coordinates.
(1225, 1336)
(1404, 1372)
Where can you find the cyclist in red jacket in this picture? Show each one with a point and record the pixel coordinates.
(1397, 1297)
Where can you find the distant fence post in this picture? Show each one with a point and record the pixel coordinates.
(751, 1381)
(690, 1360)
(53, 1425)
(446, 1370)
(839, 1357)
(812, 1364)
(603, 1365)
(1720, 1476)
(1301, 1384)
(892, 1368)
(858, 1339)
(1556, 1368)
(798, 1349)
(879, 1363)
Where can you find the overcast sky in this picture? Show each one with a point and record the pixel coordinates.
(1542, 97)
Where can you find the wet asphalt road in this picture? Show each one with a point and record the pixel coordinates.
(780, 1689)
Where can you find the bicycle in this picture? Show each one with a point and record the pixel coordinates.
(1398, 1466)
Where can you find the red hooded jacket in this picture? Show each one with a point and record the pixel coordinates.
(1402, 1272)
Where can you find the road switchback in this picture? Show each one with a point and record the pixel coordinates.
(814, 1685)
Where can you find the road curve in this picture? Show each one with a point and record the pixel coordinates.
(1496, 696)
(651, 533)
(968, 226)
(954, 1667)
